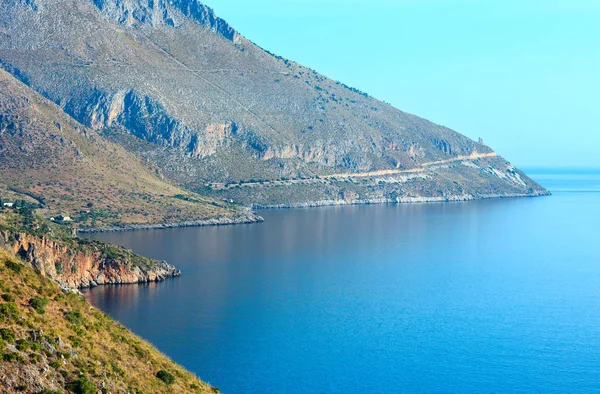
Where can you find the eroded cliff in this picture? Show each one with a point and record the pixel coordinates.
(84, 263)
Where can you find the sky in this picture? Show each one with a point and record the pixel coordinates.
(522, 74)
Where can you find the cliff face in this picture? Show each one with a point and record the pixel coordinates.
(74, 268)
(71, 169)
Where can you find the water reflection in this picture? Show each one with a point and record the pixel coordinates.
(419, 298)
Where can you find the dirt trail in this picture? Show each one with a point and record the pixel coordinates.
(371, 174)
(473, 156)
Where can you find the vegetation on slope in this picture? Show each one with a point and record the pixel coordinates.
(68, 169)
(57, 342)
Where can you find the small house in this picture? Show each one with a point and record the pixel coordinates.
(63, 219)
(8, 204)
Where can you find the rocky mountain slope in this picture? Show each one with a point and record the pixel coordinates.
(178, 86)
(72, 170)
(55, 342)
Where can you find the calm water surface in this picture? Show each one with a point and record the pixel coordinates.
(487, 296)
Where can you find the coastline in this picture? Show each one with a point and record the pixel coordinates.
(254, 218)
(402, 200)
(251, 218)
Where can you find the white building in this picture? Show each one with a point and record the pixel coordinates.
(63, 219)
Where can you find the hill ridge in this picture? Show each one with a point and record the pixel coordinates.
(163, 12)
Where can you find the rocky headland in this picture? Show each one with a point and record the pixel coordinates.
(88, 264)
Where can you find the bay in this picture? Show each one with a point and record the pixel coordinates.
(483, 296)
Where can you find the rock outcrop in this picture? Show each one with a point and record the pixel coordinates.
(85, 265)
(162, 12)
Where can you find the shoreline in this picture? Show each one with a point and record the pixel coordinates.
(254, 218)
(401, 200)
(250, 219)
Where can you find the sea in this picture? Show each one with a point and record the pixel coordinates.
(493, 296)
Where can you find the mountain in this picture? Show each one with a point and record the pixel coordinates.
(216, 114)
(55, 342)
(71, 170)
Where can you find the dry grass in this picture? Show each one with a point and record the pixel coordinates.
(87, 343)
(46, 154)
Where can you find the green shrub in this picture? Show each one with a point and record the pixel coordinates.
(9, 357)
(77, 330)
(9, 311)
(39, 304)
(8, 297)
(16, 267)
(82, 386)
(7, 334)
(165, 377)
(23, 344)
(55, 364)
(74, 317)
(76, 342)
(34, 357)
(48, 391)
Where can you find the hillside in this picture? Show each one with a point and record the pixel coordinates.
(179, 87)
(55, 342)
(69, 169)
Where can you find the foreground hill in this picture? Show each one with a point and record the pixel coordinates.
(72, 170)
(55, 342)
(181, 88)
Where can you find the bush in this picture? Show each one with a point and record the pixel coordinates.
(9, 357)
(74, 317)
(39, 304)
(76, 342)
(55, 364)
(9, 311)
(7, 334)
(34, 357)
(23, 344)
(82, 386)
(48, 391)
(8, 297)
(165, 377)
(16, 267)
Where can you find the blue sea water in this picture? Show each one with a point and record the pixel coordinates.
(489, 296)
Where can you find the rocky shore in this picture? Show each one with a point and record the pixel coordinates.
(249, 218)
(86, 264)
(400, 200)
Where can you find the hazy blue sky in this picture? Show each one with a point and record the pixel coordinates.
(525, 75)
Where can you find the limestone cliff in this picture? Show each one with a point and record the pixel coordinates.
(87, 264)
